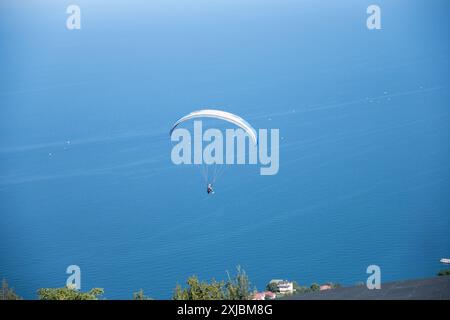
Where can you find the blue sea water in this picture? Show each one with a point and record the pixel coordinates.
(85, 170)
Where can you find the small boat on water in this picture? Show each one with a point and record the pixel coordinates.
(446, 261)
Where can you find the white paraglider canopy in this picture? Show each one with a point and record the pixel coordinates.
(223, 115)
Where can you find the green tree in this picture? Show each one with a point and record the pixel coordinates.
(238, 288)
(199, 290)
(300, 289)
(444, 272)
(295, 286)
(272, 286)
(179, 293)
(7, 293)
(139, 295)
(68, 293)
(315, 287)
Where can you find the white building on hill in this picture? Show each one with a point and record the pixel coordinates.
(284, 286)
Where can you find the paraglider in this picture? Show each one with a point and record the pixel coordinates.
(211, 175)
